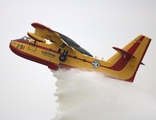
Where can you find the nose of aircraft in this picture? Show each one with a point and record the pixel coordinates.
(14, 47)
(12, 44)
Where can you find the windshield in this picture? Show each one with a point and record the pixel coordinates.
(25, 38)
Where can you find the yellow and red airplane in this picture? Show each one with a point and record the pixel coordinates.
(55, 50)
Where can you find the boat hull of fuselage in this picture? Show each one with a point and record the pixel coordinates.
(31, 57)
(49, 55)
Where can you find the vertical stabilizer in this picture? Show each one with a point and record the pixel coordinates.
(128, 59)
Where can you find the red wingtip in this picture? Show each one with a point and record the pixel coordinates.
(36, 24)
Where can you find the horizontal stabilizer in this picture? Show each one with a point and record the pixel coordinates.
(124, 53)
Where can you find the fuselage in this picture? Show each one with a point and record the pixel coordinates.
(55, 50)
(48, 54)
(123, 65)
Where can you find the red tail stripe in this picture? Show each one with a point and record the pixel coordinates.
(132, 78)
(121, 63)
(135, 46)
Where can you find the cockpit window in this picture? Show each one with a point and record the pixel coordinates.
(25, 38)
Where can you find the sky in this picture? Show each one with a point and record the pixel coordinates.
(27, 88)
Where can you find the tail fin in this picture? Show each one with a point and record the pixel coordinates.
(127, 60)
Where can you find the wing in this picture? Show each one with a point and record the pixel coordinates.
(47, 33)
(42, 32)
(74, 45)
(36, 37)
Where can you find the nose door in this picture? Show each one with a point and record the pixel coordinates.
(32, 47)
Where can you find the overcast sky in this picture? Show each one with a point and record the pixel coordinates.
(27, 88)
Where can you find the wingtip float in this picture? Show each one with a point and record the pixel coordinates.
(63, 52)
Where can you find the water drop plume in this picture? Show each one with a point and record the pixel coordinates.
(88, 95)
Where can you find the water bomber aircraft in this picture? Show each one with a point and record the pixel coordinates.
(55, 50)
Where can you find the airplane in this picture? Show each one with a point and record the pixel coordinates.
(55, 50)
